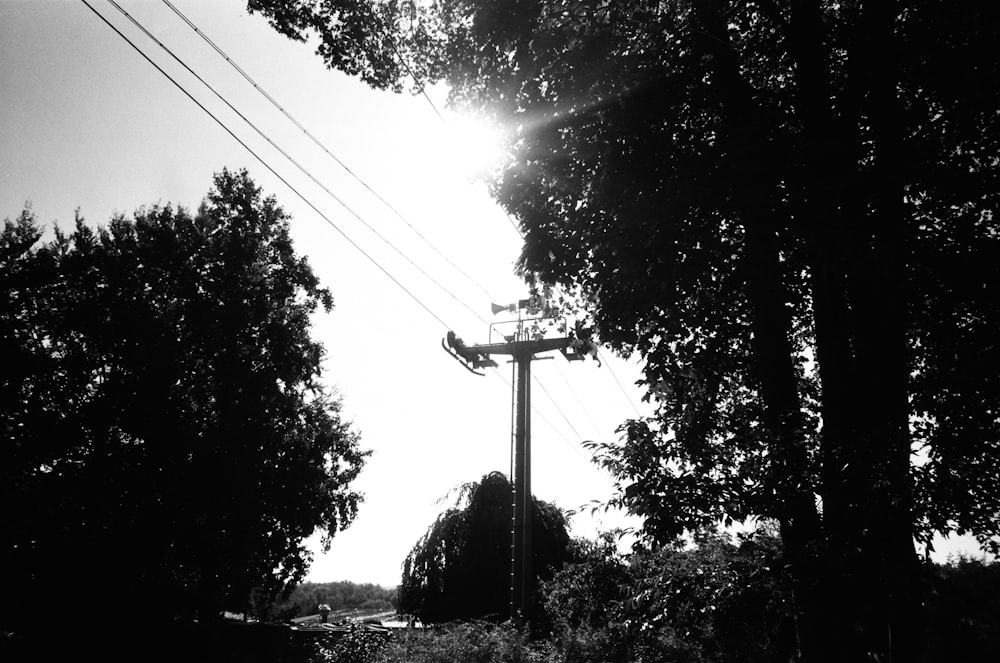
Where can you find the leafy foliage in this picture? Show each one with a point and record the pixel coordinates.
(165, 434)
(636, 187)
(466, 642)
(713, 601)
(788, 210)
(460, 569)
(964, 610)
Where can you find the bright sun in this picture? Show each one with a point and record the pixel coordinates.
(473, 148)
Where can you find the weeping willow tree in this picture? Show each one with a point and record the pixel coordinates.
(460, 569)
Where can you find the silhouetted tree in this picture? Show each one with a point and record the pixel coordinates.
(166, 441)
(787, 208)
(712, 600)
(460, 569)
(964, 611)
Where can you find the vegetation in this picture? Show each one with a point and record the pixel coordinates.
(343, 595)
(963, 617)
(460, 569)
(788, 210)
(711, 602)
(165, 434)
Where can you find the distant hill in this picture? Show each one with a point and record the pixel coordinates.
(343, 597)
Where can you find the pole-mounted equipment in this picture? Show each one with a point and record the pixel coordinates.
(521, 346)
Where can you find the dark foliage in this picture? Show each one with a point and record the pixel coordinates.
(963, 618)
(166, 442)
(788, 209)
(713, 601)
(460, 569)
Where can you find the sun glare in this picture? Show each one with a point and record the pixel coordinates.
(474, 147)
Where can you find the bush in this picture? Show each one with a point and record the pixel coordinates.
(467, 642)
(716, 601)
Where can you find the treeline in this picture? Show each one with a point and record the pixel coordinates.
(712, 600)
(342, 595)
(164, 428)
(727, 601)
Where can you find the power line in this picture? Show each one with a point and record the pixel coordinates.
(295, 190)
(423, 91)
(575, 448)
(291, 159)
(406, 65)
(579, 402)
(624, 393)
(558, 409)
(589, 461)
(265, 164)
(323, 147)
(555, 429)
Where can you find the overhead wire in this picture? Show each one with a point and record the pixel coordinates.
(423, 91)
(444, 122)
(422, 88)
(583, 408)
(302, 196)
(291, 160)
(618, 382)
(559, 409)
(322, 146)
(440, 116)
(406, 65)
(555, 429)
(266, 164)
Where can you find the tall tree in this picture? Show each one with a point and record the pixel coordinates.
(460, 569)
(787, 208)
(165, 432)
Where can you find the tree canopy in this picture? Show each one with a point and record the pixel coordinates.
(460, 569)
(787, 208)
(166, 436)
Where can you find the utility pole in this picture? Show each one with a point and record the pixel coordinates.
(522, 351)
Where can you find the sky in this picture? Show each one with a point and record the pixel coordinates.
(86, 123)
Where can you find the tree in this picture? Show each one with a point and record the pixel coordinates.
(709, 601)
(167, 441)
(460, 569)
(787, 209)
(964, 611)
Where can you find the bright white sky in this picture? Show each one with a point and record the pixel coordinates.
(86, 122)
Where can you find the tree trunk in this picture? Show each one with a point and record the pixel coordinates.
(858, 603)
(859, 309)
(878, 287)
(772, 328)
(829, 155)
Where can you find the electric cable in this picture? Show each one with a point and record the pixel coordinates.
(555, 429)
(423, 91)
(291, 160)
(299, 194)
(624, 393)
(406, 65)
(576, 449)
(322, 146)
(579, 402)
(558, 409)
(265, 164)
